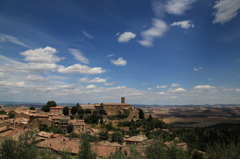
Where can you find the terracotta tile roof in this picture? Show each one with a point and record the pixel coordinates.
(139, 138)
(77, 122)
(3, 116)
(122, 104)
(57, 117)
(90, 106)
(14, 133)
(45, 134)
(61, 144)
(105, 149)
(56, 107)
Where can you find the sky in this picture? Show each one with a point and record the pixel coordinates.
(150, 51)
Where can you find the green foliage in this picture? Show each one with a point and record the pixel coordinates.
(80, 111)
(43, 127)
(70, 128)
(157, 150)
(102, 111)
(89, 137)
(140, 113)
(11, 114)
(2, 112)
(85, 149)
(93, 119)
(225, 151)
(119, 116)
(32, 108)
(65, 111)
(117, 137)
(49, 104)
(23, 148)
(103, 135)
(119, 155)
(87, 111)
(74, 110)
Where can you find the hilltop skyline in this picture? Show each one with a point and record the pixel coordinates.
(151, 52)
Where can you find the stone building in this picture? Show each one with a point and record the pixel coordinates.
(79, 126)
(56, 110)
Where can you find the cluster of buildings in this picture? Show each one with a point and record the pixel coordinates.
(26, 119)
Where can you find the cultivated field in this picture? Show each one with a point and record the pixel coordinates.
(195, 116)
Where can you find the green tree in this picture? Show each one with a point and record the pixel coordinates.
(74, 110)
(49, 104)
(103, 135)
(85, 149)
(87, 111)
(65, 111)
(43, 127)
(70, 128)
(11, 114)
(140, 113)
(77, 105)
(80, 111)
(117, 137)
(32, 108)
(119, 155)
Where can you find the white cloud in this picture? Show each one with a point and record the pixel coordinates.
(149, 89)
(94, 80)
(36, 78)
(125, 37)
(226, 10)
(87, 35)
(41, 55)
(78, 55)
(197, 68)
(12, 39)
(186, 24)
(119, 62)
(13, 84)
(35, 67)
(175, 85)
(163, 86)
(161, 93)
(110, 55)
(178, 7)
(203, 87)
(158, 8)
(80, 69)
(109, 84)
(156, 31)
(238, 90)
(178, 90)
(91, 86)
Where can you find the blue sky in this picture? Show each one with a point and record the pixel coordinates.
(151, 52)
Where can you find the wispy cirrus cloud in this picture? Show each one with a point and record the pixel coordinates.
(87, 35)
(78, 55)
(226, 10)
(12, 39)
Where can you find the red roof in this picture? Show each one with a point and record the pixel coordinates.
(56, 107)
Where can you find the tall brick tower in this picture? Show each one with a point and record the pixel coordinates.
(123, 100)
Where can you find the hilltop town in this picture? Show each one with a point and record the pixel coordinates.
(112, 126)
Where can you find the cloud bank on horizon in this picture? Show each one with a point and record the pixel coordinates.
(156, 57)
